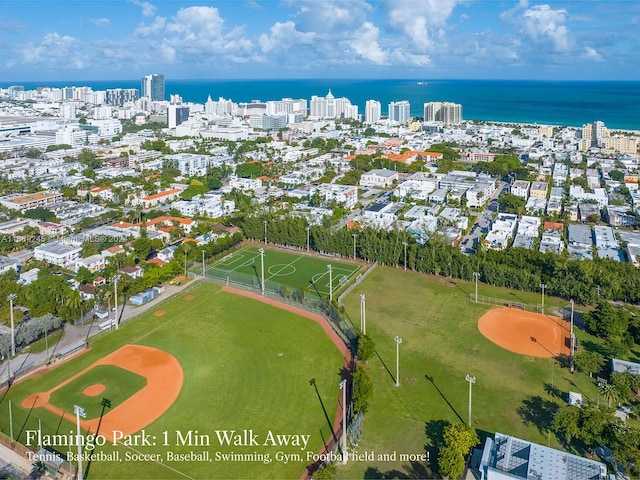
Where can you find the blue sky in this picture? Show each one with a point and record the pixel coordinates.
(425, 39)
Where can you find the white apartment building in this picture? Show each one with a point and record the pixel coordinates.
(415, 188)
(373, 111)
(599, 195)
(288, 106)
(529, 226)
(378, 178)
(190, 164)
(520, 188)
(342, 194)
(560, 172)
(244, 184)
(58, 253)
(331, 107)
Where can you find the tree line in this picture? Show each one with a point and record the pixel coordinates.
(584, 281)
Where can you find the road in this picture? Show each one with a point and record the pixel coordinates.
(470, 241)
(25, 362)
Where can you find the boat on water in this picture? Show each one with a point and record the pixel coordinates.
(422, 83)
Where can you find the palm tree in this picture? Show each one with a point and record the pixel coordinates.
(610, 393)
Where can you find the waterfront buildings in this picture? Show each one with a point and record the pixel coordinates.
(446, 112)
(372, 111)
(400, 111)
(152, 86)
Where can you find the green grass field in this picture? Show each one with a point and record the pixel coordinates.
(294, 270)
(120, 384)
(513, 393)
(247, 366)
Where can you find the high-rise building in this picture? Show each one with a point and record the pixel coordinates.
(594, 133)
(176, 115)
(445, 112)
(152, 86)
(331, 107)
(120, 96)
(400, 111)
(372, 111)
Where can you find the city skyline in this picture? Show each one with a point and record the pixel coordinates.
(66, 40)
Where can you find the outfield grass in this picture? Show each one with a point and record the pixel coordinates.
(247, 366)
(120, 384)
(513, 393)
(294, 270)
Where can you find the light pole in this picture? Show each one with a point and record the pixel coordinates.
(115, 283)
(471, 381)
(261, 250)
(363, 318)
(11, 298)
(543, 286)
(343, 387)
(203, 267)
(308, 229)
(405, 254)
(79, 413)
(398, 342)
(571, 340)
(265, 231)
(185, 263)
(354, 245)
(330, 283)
(475, 276)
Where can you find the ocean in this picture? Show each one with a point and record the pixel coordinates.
(571, 103)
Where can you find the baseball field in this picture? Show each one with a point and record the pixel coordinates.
(210, 384)
(514, 393)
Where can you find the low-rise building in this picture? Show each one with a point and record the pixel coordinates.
(57, 253)
(378, 178)
(506, 457)
(520, 188)
(24, 202)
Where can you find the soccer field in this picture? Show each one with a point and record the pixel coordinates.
(293, 270)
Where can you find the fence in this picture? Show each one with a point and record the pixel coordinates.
(505, 303)
(356, 282)
(301, 299)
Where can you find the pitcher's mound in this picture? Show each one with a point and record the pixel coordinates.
(525, 332)
(159, 313)
(188, 298)
(93, 390)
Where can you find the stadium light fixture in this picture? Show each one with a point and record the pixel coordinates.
(476, 275)
(330, 283)
(11, 298)
(354, 245)
(398, 342)
(543, 286)
(308, 229)
(79, 411)
(471, 381)
(261, 250)
(343, 387)
(115, 283)
(405, 254)
(363, 318)
(265, 231)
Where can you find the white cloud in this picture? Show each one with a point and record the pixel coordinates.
(54, 50)
(328, 16)
(195, 34)
(283, 36)
(541, 24)
(101, 22)
(591, 53)
(148, 10)
(418, 19)
(365, 44)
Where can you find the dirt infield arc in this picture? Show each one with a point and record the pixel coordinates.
(164, 380)
(525, 332)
